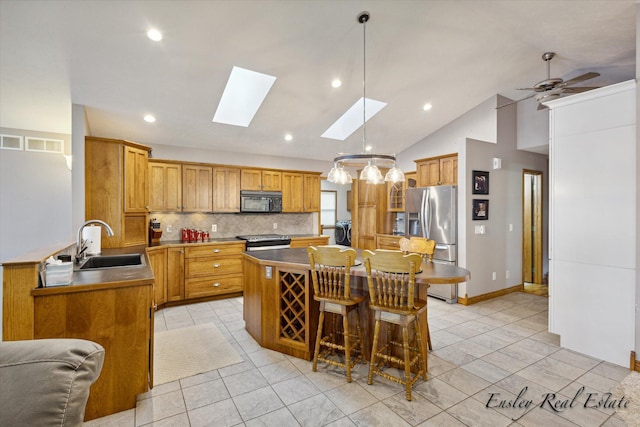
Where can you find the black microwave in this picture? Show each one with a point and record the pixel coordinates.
(260, 201)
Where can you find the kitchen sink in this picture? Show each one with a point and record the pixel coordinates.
(112, 261)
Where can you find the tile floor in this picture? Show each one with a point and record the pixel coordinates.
(498, 348)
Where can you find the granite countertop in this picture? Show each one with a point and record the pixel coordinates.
(83, 280)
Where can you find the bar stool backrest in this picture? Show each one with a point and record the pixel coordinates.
(391, 279)
(419, 245)
(331, 271)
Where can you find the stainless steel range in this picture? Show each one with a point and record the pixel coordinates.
(257, 242)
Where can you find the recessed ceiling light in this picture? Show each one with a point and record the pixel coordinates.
(288, 137)
(336, 83)
(427, 107)
(352, 119)
(243, 95)
(154, 35)
(368, 148)
(149, 118)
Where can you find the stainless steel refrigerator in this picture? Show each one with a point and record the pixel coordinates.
(431, 212)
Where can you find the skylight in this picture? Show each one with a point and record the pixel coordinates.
(352, 119)
(243, 95)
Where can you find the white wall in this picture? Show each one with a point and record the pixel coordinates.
(35, 199)
(637, 345)
(593, 222)
(465, 136)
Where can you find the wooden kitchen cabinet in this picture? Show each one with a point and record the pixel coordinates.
(165, 187)
(226, 189)
(371, 215)
(388, 241)
(197, 194)
(115, 189)
(311, 192)
(441, 170)
(120, 319)
(300, 192)
(292, 192)
(303, 242)
(175, 274)
(135, 180)
(261, 180)
(213, 269)
(158, 259)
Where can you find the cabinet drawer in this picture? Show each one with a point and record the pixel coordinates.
(209, 250)
(209, 266)
(389, 242)
(195, 288)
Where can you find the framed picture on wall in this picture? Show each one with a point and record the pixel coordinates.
(480, 209)
(480, 182)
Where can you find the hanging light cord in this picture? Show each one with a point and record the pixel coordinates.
(364, 83)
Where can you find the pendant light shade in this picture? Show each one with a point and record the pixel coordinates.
(371, 174)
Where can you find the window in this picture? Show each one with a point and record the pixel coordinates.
(11, 142)
(328, 208)
(45, 145)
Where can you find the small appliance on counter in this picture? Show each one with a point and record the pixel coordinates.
(92, 239)
(191, 235)
(155, 232)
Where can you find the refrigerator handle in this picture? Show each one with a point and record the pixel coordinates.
(425, 216)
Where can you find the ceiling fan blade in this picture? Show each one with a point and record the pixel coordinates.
(579, 89)
(581, 78)
(526, 88)
(517, 100)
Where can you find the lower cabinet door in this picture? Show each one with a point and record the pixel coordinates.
(195, 288)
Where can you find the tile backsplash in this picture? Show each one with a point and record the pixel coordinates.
(231, 225)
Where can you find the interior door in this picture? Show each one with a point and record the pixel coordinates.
(532, 226)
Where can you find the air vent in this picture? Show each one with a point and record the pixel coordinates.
(11, 142)
(45, 145)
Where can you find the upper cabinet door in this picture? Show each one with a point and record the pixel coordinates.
(135, 180)
(251, 179)
(292, 192)
(271, 180)
(196, 188)
(165, 187)
(311, 193)
(226, 189)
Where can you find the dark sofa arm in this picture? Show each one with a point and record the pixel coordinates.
(46, 382)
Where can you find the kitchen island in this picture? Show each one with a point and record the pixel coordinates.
(112, 307)
(280, 312)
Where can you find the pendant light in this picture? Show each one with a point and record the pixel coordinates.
(370, 174)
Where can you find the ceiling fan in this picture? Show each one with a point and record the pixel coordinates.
(552, 88)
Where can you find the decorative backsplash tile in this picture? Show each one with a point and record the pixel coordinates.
(231, 225)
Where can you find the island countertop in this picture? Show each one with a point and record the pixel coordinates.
(433, 273)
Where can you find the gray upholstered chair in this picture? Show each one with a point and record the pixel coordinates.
(46, 382)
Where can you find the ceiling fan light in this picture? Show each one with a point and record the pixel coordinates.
(394, 175)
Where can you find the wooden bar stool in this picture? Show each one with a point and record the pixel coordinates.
(425, 248)
(331, 275)
(391, 281)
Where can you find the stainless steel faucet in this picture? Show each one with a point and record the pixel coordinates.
(79, 244)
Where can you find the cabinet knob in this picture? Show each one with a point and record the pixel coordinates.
(216, 265)
(215, 251)
(215, 285)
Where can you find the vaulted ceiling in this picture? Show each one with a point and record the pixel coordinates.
(453, 54)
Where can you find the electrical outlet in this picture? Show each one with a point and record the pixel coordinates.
(494, 275)
(508, 275)
(214, 228)
(275, 225)
(169, 228)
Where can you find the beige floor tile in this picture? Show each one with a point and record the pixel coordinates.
(378, 415)
(440, 393)
(315, 411)
(244, 382)
(415, 411)
(350, 397)
(119, 419)
(486, 371)
(159, 407)
(257, 403)
(219, 414)
(295, 389)
(281, 417)
(464, 380)
(472, 412)
(204, 394)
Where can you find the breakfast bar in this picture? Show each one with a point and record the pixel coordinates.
(280, 312)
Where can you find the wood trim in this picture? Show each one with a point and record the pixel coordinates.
(436, 157)
(220, 165)
(634, 364)
(466, 300)
(119, 141)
